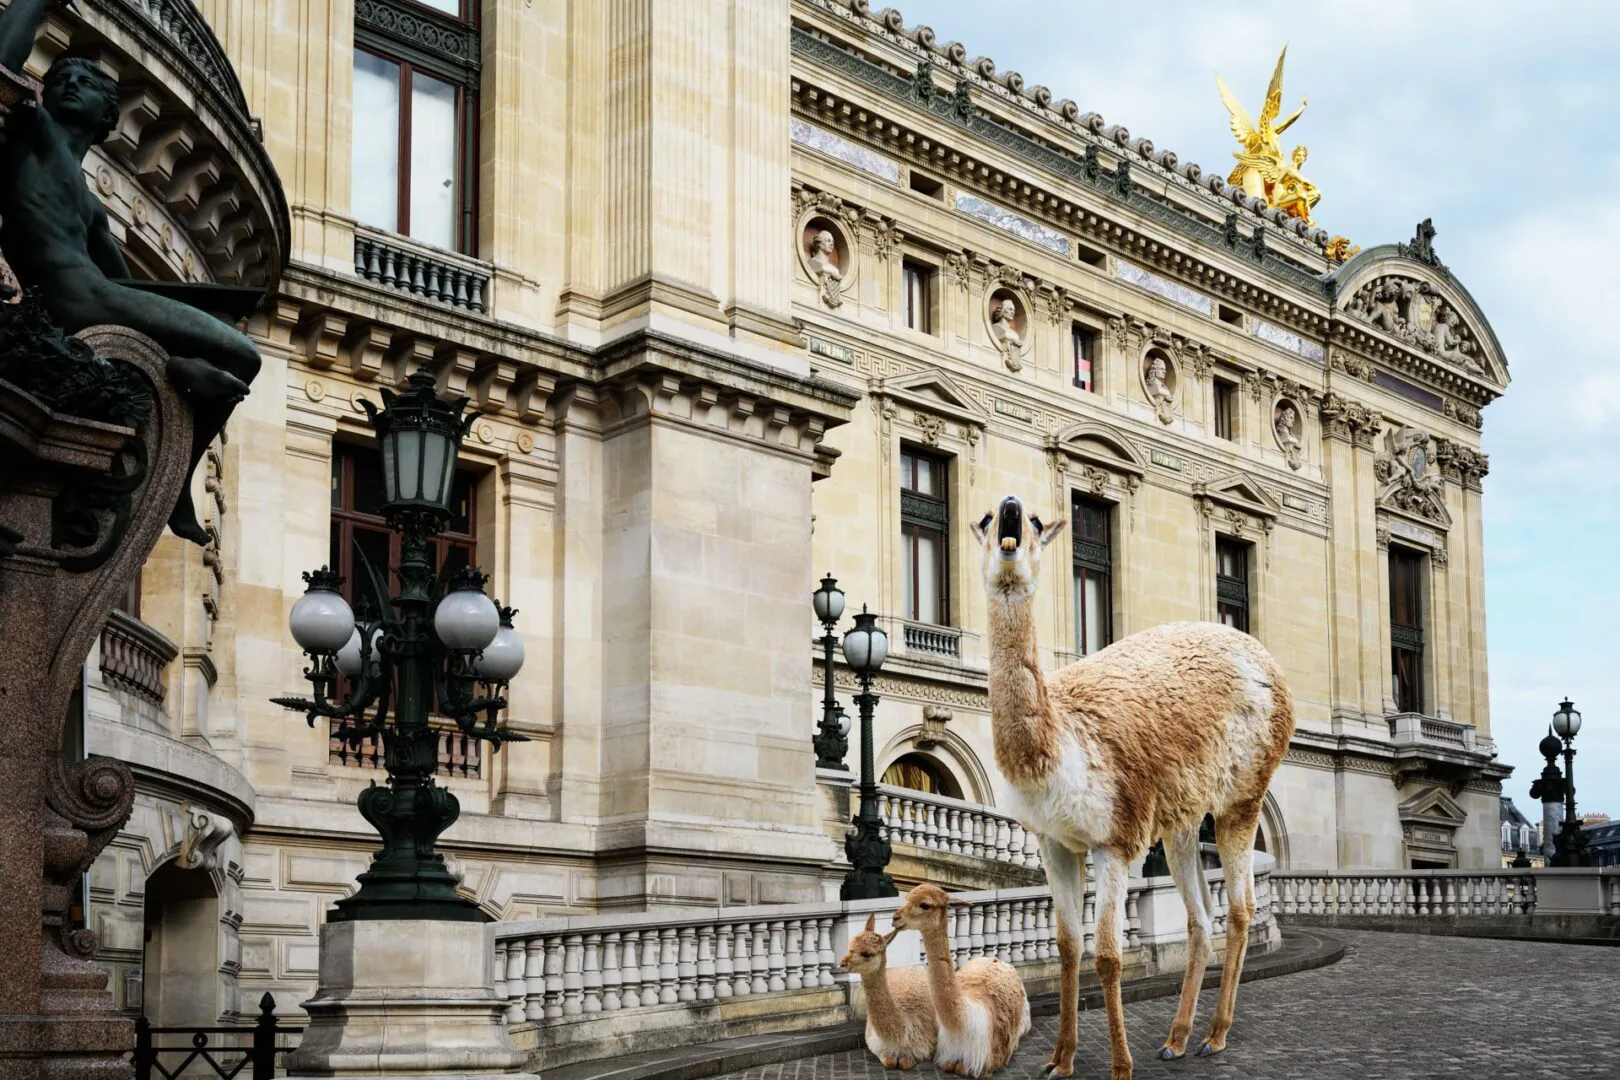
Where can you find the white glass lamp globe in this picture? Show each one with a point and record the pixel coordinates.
(321, 621)
(466, 619)
(843, 723)
(1567, 720)
(502, 658)
(348, 657)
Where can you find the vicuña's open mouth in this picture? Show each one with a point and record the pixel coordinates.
(1010, 525)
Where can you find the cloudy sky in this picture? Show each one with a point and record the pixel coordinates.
(1498, 120)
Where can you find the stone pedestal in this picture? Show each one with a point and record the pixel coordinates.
(406, 998)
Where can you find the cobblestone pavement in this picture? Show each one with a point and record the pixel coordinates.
(1397, 1007)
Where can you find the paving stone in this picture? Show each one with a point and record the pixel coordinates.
(1397, 1007)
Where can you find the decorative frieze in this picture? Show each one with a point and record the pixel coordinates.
(1347, 420)
(1286, 339)
(1173, 291)
(840, 148)
(1017, 224)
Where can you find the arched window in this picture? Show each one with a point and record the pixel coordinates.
(920, 773)
(1507, 833)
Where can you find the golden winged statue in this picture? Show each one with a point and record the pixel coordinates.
(1263, 171)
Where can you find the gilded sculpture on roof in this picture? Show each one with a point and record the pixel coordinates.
(1263, 170)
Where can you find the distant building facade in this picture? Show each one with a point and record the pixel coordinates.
(1520, 836)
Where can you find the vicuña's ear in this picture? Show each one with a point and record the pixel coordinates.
(871, 923)
(1048, 533)
(981, 526)
(890, 936)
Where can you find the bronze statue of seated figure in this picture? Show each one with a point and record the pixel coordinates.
(54, 233)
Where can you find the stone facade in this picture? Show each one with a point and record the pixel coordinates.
(682, 301)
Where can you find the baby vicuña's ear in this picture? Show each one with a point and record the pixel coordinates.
(871, 923)
(1048, 533)
(981, 526)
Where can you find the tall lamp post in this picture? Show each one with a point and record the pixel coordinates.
(865, 648)
(1566, 723)
(440, 642)
(832, 733)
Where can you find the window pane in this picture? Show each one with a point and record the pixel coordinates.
(925, 476)
(927, 578)
(461, 502)
(449, 7)
(369, 492)
(375, 170)
(337, 478)
(1093, 611)
(433, 161)
(908, 572)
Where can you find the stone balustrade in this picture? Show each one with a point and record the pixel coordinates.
(134, 657)
(652, 972)
(396, 263)
(1406, 893)
(927, 640)
(938, 823)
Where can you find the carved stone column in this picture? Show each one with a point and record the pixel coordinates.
(84, 502)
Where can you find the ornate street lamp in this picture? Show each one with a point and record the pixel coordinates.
(832, 733)
(1566, 723)
(865, 648)
(442, 645)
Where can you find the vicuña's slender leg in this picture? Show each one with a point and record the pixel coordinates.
(1188, 869)
(1113, 876)
(1066, 876)
(1234, 835)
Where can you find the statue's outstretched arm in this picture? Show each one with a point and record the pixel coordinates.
(18, 23)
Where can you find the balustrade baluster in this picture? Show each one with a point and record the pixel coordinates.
(612, 977)
(573, 982)
(1133, 919)
(824, 952)
(954, 818)
(534, 982)
(777, 958)
(761, 957)
(630, 976)
(649, 968)
(795, 954)
(1002, 836)
(1451, 896)
(976, 930)
(517, 954)
(554, 978)
(722, 961)
(742, 967)
(686, 967)
(1088, 918)
(500, 970)
(1003, 931)
(705, 963)
(591, 974)
(667, 967)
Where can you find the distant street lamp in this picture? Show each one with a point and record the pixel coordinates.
(832, 733)
(1566, 724)
(443, 646)
(865, 648)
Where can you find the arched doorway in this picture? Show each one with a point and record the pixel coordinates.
(919, 772)
(180, 962)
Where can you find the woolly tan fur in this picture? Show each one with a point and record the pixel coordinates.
(981, 1008)
(900, 1028)
(1132, 744)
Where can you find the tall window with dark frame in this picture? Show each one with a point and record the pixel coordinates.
(415, 140)
(925, 524)
(1406, 628)
(1226, 400)
(1232, 582)
(359, 535)
(1083, 345)
(918, 281)
(1092, 544)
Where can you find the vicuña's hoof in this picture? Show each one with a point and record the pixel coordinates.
(1170, 1053)
(1053, 1069)
(1208, 1049)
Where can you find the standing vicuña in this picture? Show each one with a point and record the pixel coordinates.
(899, 1009)
(1135, 743)
(982, 1008)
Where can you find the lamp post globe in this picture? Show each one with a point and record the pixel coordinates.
(1566, 721)
(502, 658)
(418, 435)
(321, 621)
(828, 601)
(866, 646)
(466, 619)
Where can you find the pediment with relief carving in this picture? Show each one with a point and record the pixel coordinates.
(935, 392)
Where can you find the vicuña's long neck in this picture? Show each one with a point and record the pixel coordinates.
(1024, 731)
(881, 1009)
(948, 1009)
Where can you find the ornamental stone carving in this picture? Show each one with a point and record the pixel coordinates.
(822, 259)
(1346, 420)
(1414, 312)
(1288, 426)
(1159, 380)
(1407, 473)
(1348, 364)
(1008, 317)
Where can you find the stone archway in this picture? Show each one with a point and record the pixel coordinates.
(181, 955)
(924, 772)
